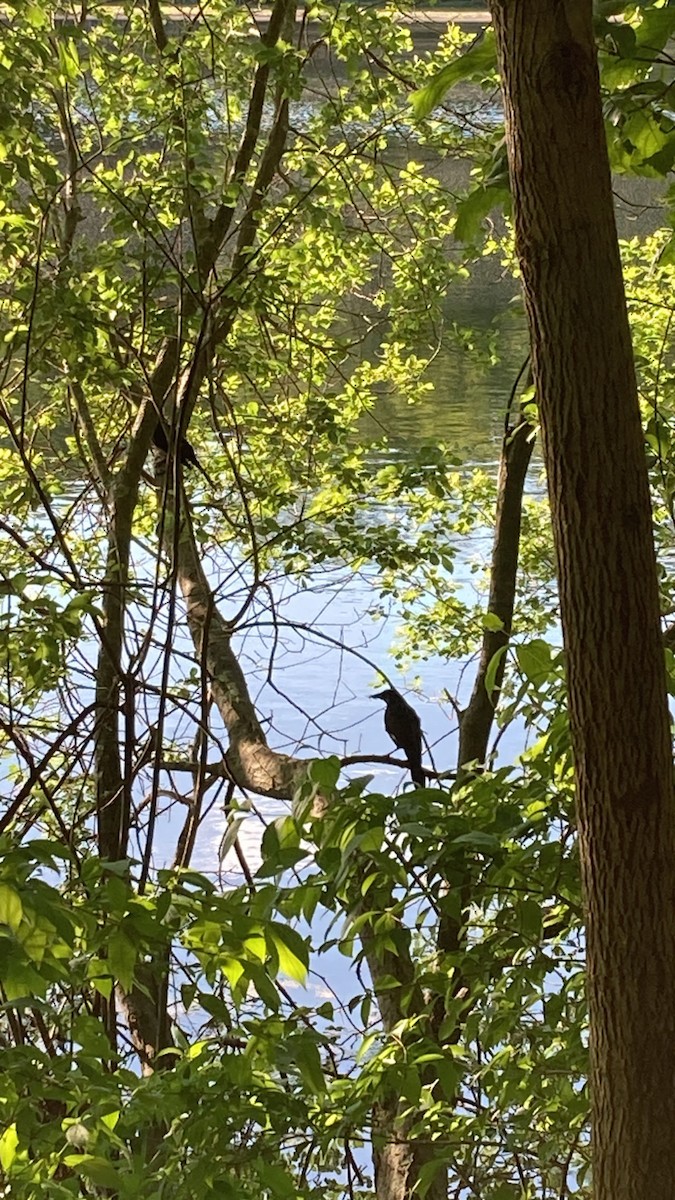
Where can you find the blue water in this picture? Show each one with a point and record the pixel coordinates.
(315, 699)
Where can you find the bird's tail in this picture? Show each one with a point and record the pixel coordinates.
(416, 773)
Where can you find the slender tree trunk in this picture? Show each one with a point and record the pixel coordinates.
(476, 721)
(597, 479)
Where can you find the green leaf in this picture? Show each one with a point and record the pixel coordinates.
(663, 162)
(449, 1073)
(656, 27)
(230, 835)
(264, 987)
(667, 256)
(256, 945)
(283, 860)
(288, 832)
(372, 839)
(477, 62)
(492, 622)
(35, 939)
(410, 1086)
(45, 850)
(68, 61)
(36, 16)
(644, 133)
(472, 211)
(8, 1145)
(528, 913)
(428, 1173)
(308, 1061)
(11, 908)
(493, 667)
(292, 951)
(281, 847)
(478, 840)
(232, 969)
(89, 1033)
(18, 976)
(100, 1171)
(623, 36)
(122, 954)
(215, 1007)
(103, 984)
(534, 660)
(275, 1180)
(325, 772)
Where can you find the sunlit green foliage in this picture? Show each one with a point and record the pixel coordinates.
(115, 154)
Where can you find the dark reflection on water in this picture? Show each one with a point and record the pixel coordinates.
(467, 406)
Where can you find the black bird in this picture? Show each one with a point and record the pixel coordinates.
(186, 451)
(405, 730)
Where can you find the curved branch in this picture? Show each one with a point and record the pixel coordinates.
(251, 763)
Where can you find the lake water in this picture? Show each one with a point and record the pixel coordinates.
(318, 701)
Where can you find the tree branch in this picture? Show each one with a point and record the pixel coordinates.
(476, 720)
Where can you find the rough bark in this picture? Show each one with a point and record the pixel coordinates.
(597, 480)
(250, 761)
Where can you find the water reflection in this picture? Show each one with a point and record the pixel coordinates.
(316, 695)
(471, 388)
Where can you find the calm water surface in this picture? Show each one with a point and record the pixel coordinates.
(318, 698)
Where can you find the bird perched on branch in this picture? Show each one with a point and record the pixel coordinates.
(186, 451)
(405, 730)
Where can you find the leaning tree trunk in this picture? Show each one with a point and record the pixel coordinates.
(597, 479)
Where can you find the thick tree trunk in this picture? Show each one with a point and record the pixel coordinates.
(598, 488)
